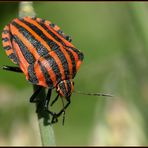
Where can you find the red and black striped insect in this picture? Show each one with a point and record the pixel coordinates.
(44, 54)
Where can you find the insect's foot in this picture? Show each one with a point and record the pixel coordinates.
(53, 114)
(54, 118)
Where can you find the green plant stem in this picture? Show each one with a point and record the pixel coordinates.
(46, 130)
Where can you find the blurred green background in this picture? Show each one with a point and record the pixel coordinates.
(114, 39)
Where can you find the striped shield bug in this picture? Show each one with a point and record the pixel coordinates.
(45, 55)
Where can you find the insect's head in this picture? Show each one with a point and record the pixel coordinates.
(65, 88)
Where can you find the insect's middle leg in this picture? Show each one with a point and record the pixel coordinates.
(47, 99)
(44, 104)
(12, 68)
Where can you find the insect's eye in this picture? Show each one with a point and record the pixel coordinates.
(73, 83)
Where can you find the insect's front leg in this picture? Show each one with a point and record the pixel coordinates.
(63, 109)
(55, 116)
(12, 68)
(54, 100)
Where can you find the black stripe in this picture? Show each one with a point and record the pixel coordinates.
(63, 88)
(60, 32)
(46, 75)
(80, 54)
(52, 45)
(7, 47)
(32, 76)
(14, 58)
(52, 25)
(69, 86)
(28, 55)
(34, 18)
(73, 63)
(39, 47)
(5, 39)
(67, 37)
(5, 31)
(42, 20)
(64, 63)
(42, 51)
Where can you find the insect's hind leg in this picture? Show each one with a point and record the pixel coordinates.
(12, 68)
(43, 105)
(35, 94)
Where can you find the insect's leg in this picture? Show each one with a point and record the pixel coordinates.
(39, 94)
(43, 104)
(33, 97)
(12, 68)
(55, 116)
(46, 104)
(47, 99)
(63, 109)
(54, 100)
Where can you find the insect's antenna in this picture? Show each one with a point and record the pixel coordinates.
(93, 94)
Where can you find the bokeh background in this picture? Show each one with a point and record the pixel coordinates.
(114, 39)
